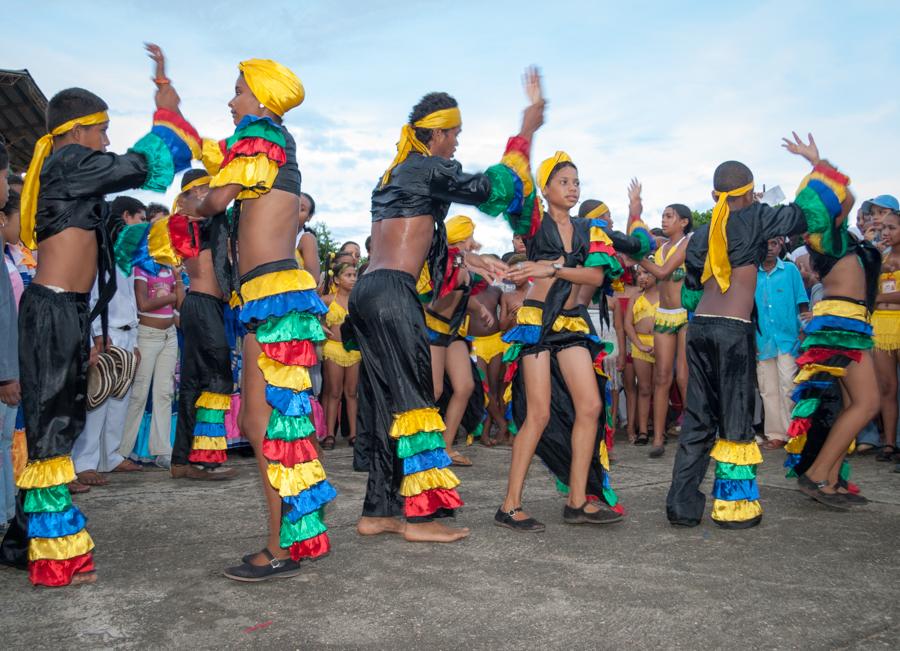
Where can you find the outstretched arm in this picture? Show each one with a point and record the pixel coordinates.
(635, 205)
(533, 117)
(663, 271)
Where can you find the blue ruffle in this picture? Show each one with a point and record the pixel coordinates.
(831, 322)
(281, 304)
(809, 386)
(523, 334)
(598, 222)
(287, 401)
(518, 200)
(731, 490)
(792, 461)
(209, 429)
(181, 152)
(312, 499)
(56, 525)
(425, 461)
(827, 195)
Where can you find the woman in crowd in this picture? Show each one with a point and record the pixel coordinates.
(639, 327)
(886, 325)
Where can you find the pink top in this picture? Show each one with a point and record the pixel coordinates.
(158, 285)
(15, 278)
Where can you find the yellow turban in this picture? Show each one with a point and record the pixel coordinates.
(717, 263)
(276, 87)
(459, 228)
(547, 166)
(43, 148)
(449, 118)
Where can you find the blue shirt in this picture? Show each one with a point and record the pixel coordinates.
(778, 294)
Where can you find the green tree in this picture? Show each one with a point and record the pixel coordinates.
(327, 244)
(700, 218)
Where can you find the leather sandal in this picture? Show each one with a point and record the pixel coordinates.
(814, 490)
(528, 525)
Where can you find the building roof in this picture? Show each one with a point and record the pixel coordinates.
(22, 110)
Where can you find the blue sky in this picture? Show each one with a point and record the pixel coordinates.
(659, 90)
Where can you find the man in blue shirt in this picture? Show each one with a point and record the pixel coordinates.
(780, 299)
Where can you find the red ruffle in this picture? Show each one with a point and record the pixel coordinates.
(602, 247)
(55, 573)
(799, 426)
(536, 217)
(428, 502)
(311, 548)
(208, 456)
(519, 144)
(832, 173)
(253, 147)
(479, 287)
(186, 244)
(510, 373)
(817, 355)
(289, 453)
(165, 115)
(852, 488)
(300, 352)
(451, 274)
(618, 508)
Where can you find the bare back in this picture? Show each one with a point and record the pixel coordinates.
(737, 302)
(202, 274)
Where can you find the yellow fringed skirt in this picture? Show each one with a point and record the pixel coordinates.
(334, 350)
(886, 327)
(637, 353)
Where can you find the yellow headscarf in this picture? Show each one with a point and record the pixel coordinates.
(717, 263)
(459, 228)
(203, 180)
(544, 169)
(276, 87)
(598, 211)
(449, 118)
(42, 148)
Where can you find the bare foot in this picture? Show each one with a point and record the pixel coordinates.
(368, 526)
(91, 478)
(84, 578)
(128, 466)
(76, 487)
(458, 459)
(433, 532)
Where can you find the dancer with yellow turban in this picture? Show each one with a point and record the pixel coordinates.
(257, 168)
(64, 215)
(401, 432)
(558, 393)
(721, 261)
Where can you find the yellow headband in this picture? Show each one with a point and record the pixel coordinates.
(203, 180)
(42, 148)
(449, 118)
(276, 87)
(546, 167)
(717, 263)
(598, 211)
(459, 228)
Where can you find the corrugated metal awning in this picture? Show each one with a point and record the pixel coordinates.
(22, 116)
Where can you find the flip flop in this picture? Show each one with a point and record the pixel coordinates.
(459, 460)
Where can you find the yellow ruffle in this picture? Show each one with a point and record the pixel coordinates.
(211, 156)
(637, 353)
(643, 309)
(210, 443)
(489, 346)
(282, 375)
(886, 329)
(335, 315)
(599, 235)
(529, 315)
(570, 324)
(47, 473)
(423, 284)
(426, 480)
(415, 421)
(507, 394)
(60, 549)
(670, 319)
(160, 246)
(604, 455)
(256, 174)
(277, 282)
(736, 511)
(519, 164)
(845, 309)
(796, 444)
(838, 188)
(295, 480)
(741, 454)
(436, 324)
(808, 370)
(335, 351)
(217, 401)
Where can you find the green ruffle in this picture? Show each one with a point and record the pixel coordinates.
(127, 243)
(289, 428)
(805, 408)
(610, 496)
(512, 353)
(291, 327)
(47, 500)
(844, 472)
(478, 431)
(309, 526)
(258, 129)
(734, 471)
(560, 486)
(160, 164)
(647, 243)
(503, 191)
(837, 339)
(819, 220)
(610, 264)
(214, 416)
(513, 429)
(408, 446)
(690, 298)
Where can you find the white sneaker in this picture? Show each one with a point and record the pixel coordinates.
(164, 461)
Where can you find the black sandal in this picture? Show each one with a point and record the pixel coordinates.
(327, 443)
(814, 490)
(274, 569)
(883, 455)
(528, 525)
(642, 439)
(572, 515)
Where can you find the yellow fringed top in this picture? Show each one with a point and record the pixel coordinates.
(335, 315)
(643, 309)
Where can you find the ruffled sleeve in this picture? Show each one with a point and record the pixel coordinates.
(601, 252)
(251, 158)
(148, 247)
(513, 190)
(168, 149)
(820, 197)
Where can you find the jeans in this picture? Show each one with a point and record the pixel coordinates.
(7, 481)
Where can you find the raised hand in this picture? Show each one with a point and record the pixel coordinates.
(531, 80)
(156, 54)
(634, 191)
(809, 151)
(534, 114)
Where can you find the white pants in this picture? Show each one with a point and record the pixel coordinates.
(159, 355)
(96, 448)
(776, 383)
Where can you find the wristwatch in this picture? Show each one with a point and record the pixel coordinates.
(556, 267)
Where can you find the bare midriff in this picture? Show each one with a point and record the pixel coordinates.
(202, 274)
(68, 260)
(267, 229)
(847, 279)
(401, 244)
(737, 302)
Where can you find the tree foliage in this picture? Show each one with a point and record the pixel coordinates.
(700, 218)
(327, 244)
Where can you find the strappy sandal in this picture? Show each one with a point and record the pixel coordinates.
(884, 455)
(327, 443)
(274, 569)
(642, 439)
(459, 460)
(528, 525)
(814, 490)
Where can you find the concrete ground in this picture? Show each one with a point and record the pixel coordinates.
(806, 579)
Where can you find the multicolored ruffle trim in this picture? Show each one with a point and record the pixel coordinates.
(59, 546)
(428, 484)
(513, 190)
(486, 392)
(735, 491)
(251, 157)
(282, 308)
(820, 196)
(601, 252)
(150, 247)
(209, 445)
(168, 149)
